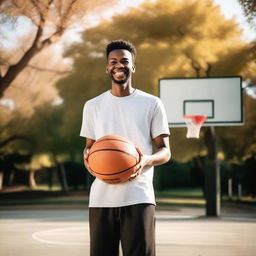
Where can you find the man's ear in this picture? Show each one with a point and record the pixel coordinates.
(106, 71)
(133, 68)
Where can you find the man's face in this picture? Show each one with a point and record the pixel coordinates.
(120, 66)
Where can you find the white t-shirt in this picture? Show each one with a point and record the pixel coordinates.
(140, 117)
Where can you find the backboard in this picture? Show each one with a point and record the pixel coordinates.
(219, 98)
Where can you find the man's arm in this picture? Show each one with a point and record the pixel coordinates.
(162, 154)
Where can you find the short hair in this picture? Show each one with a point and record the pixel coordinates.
(121, 44)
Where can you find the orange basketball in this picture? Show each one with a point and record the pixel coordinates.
(113, 159)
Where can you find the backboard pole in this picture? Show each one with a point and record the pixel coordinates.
(212, 175)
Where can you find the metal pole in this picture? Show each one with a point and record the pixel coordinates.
(212, 175)
(230, 191)
(239, 191)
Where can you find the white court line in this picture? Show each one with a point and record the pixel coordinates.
(50, 232)
(36, 236)
(174, 216)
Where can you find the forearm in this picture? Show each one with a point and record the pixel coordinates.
(161, 156)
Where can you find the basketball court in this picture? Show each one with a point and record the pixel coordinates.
(182, 232)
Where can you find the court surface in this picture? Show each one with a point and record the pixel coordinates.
(52, 232)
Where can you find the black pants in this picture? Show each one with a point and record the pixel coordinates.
(133, 225)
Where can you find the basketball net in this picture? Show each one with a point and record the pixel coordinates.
(194, 124)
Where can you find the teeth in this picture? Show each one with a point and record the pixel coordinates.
(119, 73)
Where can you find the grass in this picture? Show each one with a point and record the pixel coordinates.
(44, 196)
(180, 197)
(44, 201)
(46, 188)
(245, 200)
(41, 195)
(181, 193)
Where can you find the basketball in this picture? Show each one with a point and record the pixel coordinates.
(113, 159)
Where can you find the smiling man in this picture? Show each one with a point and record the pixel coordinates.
(124, 212)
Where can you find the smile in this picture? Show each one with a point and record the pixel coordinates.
(119, 73)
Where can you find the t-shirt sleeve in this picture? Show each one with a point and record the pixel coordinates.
(159, 124)
(87, 123)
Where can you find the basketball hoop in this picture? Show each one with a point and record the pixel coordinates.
(194, 124)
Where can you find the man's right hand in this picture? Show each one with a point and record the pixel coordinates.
(86, 164)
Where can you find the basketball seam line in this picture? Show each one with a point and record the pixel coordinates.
(116, 140)
(109, 174)
(111, 149)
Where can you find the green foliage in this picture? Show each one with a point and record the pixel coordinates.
(85, 83)
(242, 173)
(191, 174)
(239, 142)
(44, 128)
(249, 177)
(12, 163)
(170, 43)
(76, 175)
(172, 175)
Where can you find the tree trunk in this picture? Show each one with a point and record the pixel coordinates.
(61, 173)
(14, 137)
(1, 180)
(14, 70)
(63, 177)
(31, 179)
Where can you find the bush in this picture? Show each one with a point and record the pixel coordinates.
(172, 175)
(76, 175)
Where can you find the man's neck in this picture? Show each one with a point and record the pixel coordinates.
(122, 90)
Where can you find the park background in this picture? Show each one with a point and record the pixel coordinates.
(52, 61)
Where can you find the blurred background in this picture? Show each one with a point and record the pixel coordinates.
(52, 61)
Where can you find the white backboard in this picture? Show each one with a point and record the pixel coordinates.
(219, 98)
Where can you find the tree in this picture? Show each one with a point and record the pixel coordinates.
(170, 44)
(239, 142)
(48, 20)
(188, 46)
(249, 8)
(31, 55)
(33, 34)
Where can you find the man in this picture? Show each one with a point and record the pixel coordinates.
(125, 212)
